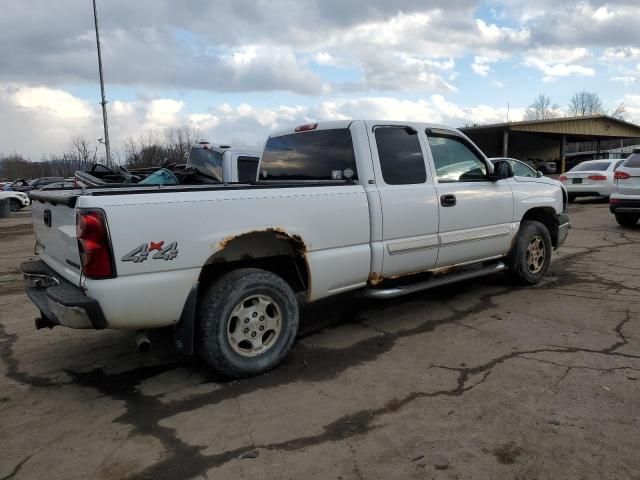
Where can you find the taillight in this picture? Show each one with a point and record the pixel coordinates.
(597, 178)
(94, 244)
(562, 178)
(621, 175)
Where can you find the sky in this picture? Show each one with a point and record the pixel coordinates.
(237, 69)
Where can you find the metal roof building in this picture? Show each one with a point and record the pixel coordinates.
(547, 139)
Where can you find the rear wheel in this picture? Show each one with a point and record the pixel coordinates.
(530, 257)
(248, 322)
(15, 205)
(572, 197)
(627, 219)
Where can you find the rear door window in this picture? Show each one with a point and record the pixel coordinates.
(317, 155)
(401, 159)
(247, 169)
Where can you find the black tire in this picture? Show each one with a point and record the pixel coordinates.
(627, 219)
(571, 197)
(217, 326)
(520, 265)
(15, 205)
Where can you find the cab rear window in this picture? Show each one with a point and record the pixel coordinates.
(310, 156)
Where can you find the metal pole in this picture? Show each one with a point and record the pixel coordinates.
(104, 102)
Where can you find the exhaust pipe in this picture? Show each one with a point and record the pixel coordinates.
(142, 342)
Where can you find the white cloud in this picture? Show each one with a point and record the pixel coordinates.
(163, 112)
(621, 54)
(57, 102)
(559, 62)
(243, 123)
(625, 79)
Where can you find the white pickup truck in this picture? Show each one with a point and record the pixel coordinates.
(382, 208)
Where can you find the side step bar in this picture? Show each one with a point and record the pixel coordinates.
(439, 282)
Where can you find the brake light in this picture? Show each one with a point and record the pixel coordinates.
(621, 175)
(94, 244)
(306, 128)
(562, 178)
(597, 178)
(614, 201)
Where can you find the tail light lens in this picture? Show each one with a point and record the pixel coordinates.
(94, 244)
(597, 178)
(562, 178)
(621, 175)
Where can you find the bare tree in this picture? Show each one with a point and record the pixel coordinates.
(585, 103)
(541, 109)
(620, 112)
(82, 150)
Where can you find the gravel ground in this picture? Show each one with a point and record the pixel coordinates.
(477, 380)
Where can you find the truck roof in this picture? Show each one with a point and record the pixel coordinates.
(225, 147)
(335, 124)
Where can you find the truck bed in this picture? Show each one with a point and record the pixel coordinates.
(69, 197)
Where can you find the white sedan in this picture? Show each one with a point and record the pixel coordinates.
(593, 178)
(17, 200)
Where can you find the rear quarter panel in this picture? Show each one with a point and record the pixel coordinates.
(332, 221)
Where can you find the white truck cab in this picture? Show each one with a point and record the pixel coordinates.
(378, 208)
(231, 164)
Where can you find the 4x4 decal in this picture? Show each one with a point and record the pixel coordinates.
(142, 252)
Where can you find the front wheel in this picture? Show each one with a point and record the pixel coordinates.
(627, 219)
(15, 205)
(531, 254)
(248, 321)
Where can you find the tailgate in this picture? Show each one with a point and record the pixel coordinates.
(54, 224)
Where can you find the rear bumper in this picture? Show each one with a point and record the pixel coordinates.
(622, 205)
(60, 302)
(589, 190)
(563, 228)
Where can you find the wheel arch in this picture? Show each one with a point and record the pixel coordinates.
(547, 216)
(271, 249)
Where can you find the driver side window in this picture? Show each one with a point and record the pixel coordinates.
(455, 161)
(521, 170)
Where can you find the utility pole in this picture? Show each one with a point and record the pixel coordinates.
(104, 102)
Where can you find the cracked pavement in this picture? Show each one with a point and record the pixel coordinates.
(475, 380)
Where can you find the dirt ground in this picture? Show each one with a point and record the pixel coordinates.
(478, 380)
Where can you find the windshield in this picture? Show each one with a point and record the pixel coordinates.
(598, 166)
(207, 162)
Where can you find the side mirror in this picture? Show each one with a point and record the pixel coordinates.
(501, 169)
(539, 174)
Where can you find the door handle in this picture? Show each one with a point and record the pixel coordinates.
(448, 200)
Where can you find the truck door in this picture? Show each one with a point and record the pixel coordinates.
(476, 214)
(408, 199)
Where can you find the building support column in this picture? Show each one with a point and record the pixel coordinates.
(563, 154)
(505, 142)
(597, 149)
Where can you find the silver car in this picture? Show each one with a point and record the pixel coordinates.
(625, 200)
(593, 178)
